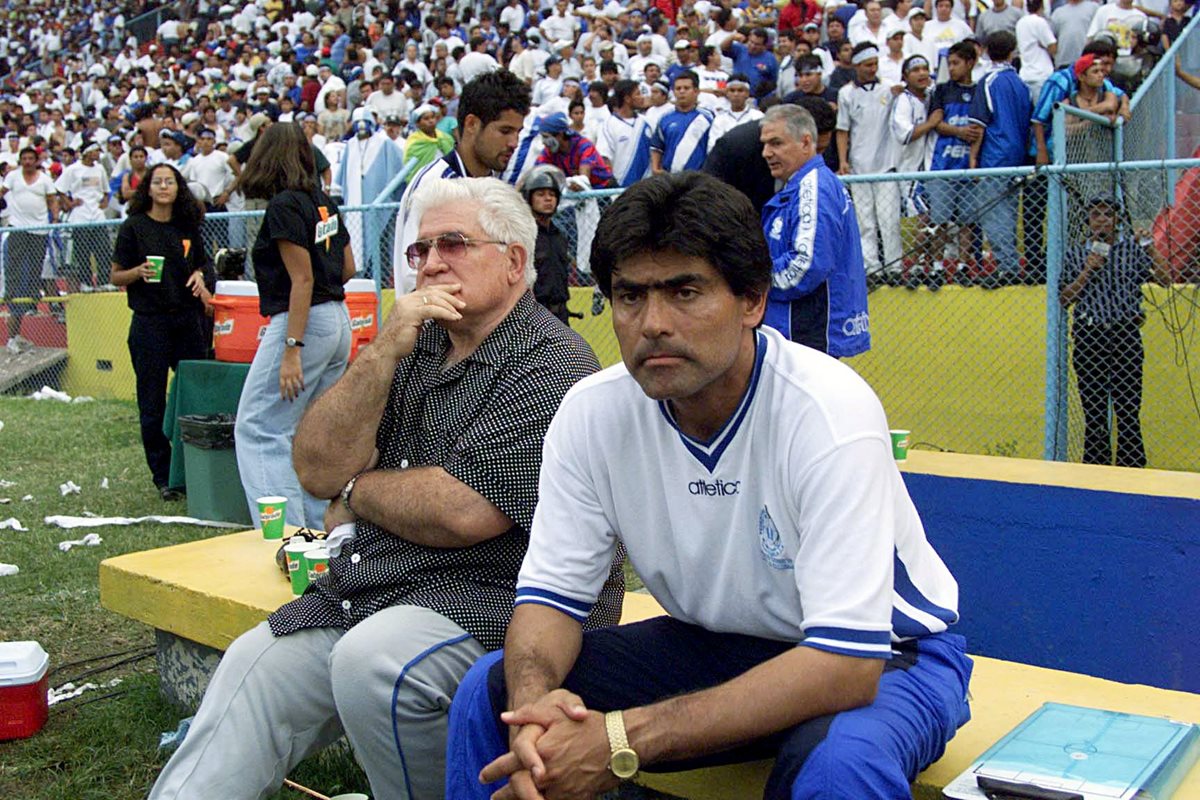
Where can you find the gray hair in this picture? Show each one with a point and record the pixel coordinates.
(795, 119)
(503, 213)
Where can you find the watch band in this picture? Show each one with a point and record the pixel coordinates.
(623, 761)
(293, 342)
(347, 490)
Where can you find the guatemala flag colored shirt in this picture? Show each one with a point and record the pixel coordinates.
(682, 138)
(818, 291)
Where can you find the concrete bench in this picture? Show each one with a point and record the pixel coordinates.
(201, 595)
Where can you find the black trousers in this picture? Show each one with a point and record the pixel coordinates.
(157, 343)
(1108, 367)
(1034, 198)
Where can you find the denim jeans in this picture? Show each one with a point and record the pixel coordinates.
(266, 422)
(996, 213)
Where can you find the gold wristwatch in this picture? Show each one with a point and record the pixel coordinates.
(623, 762)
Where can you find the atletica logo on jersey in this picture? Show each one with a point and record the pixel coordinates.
(716, 488)
(327, 228)
(770, 543)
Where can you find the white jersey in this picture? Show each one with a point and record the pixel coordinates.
(792, 523)
(625, 145)
(909, 111)
(89, 184)
(727, 120)
(864, 111)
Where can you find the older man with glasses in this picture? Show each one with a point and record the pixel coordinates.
(429, 447)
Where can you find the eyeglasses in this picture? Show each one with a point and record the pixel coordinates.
(450, 246)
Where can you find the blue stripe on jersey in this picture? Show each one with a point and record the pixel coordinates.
(830, 646)
(905, 627)
(912, 595)
(882, 638)
(709, 453)
(571, 607)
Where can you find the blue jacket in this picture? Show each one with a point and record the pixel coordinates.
(818, 291)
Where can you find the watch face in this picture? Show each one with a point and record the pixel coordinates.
(624, 763)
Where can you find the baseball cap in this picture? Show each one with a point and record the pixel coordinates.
(207, 133)
(312, 71)
(257, 122)
(916, 12)
(554, 123)
(682, 44)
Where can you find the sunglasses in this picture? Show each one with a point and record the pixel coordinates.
(450, 246)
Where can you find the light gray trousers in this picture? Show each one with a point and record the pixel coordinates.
(386, 683)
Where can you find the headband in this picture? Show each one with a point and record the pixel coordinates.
(914, 62)
(814, 69)
(866, 54)
(737, 84)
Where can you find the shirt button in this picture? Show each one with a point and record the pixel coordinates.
(355, 558)
(404, 463)
(346, 605)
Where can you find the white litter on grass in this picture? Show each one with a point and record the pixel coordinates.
(69, 522)
(1, 424)
(70, 487)
(104, 483)
(5, 501)
(69, 691)
(6, 484)
(46, 393)
(27, 497)
(90, 540)
(8, 569)
(12, 524)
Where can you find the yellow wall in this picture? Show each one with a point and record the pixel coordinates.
(97, 329)
(964, 369)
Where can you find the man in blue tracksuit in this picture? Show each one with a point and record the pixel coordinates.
(818, 293)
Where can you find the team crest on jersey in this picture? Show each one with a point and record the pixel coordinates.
(770, 543)
(777, 227)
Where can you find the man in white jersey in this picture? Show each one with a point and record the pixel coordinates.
(624, 138)
(751, 481)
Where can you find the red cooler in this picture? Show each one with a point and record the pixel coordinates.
(363, 306)
(23, 689)
(237, 326)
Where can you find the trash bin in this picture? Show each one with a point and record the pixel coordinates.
(214, 487)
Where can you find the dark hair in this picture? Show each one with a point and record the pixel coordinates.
(690, 213)
(186, 213)
(490, 95)
(27, 149)
(1000, 45)
(608, 65)
(741, 76)
(822, 113)
(761, 33)
(621, 90)
(809, 62)
(705, 53)
(574, 105)
(723, 16)
(964, 50)
(282, 159)
(1100, 47)
(687, 75)
(1033, 6)
(476, 41)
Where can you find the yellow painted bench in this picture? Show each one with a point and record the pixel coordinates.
(212, 590)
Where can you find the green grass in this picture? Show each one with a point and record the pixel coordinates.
(93, 746)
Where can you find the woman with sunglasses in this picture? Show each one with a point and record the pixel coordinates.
(302, 258)
(161, 261)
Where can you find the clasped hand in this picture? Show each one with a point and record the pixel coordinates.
(559, 751)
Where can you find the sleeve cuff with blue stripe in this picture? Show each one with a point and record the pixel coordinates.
(850, 642)
(577, 610)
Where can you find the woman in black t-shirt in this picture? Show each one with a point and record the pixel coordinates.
(302, 258)
(168, 310)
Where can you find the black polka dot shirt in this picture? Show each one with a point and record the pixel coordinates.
(482, 420)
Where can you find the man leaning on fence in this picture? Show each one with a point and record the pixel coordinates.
(429, 446)
(1102, 281)
(32, 201)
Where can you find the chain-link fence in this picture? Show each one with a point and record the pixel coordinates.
(57, 292)
(971, 349)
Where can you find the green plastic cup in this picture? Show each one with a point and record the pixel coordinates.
(297, 570)
(900, 445)
(316, 562)
(156, 264)
(272, 511)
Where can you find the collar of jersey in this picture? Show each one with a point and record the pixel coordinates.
(709, 453)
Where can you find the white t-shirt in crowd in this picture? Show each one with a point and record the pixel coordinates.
(27, 205)
(1034, 36)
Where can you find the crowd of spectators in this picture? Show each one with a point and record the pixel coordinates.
(643, 86)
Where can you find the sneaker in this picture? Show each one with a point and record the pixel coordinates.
(169, 494)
